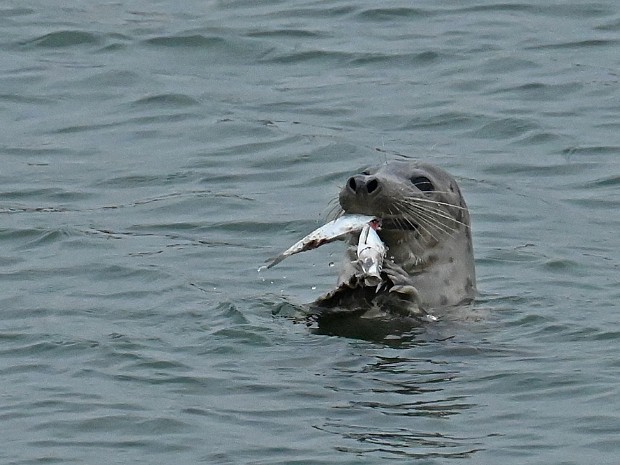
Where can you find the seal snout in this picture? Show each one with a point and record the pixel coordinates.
(362, 184)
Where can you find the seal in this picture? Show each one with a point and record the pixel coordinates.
(426, 229)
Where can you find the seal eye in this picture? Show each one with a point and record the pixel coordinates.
(422, 183)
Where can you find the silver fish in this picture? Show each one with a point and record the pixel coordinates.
(329, 232)
(370, 253)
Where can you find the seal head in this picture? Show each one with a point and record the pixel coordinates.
(426, 229)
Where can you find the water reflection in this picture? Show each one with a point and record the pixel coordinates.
(391, 331)
(413, 444)
(403, 410)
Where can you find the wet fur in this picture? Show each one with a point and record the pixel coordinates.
(426, 227)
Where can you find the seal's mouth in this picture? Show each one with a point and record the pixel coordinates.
(387, 222)
(397, 214)
(398, 224)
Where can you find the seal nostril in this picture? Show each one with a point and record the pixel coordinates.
(352, 184)
(372, 185)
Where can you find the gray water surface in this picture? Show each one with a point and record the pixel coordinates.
(155, 154)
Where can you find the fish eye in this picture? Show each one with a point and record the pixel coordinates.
(422, 183)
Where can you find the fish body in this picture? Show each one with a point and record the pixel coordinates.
(370, 253)
(329, 232)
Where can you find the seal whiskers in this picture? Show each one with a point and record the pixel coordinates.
(426, 218)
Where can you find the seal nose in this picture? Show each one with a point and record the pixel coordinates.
(361, 184)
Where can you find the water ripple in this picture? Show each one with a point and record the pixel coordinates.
(156, 154)
(62, 39)
(182, 41)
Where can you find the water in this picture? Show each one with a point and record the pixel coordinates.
(155, 154)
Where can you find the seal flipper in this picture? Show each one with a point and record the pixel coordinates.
(360, 313)
(352, 297)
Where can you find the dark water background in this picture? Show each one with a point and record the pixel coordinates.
(155, 153)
